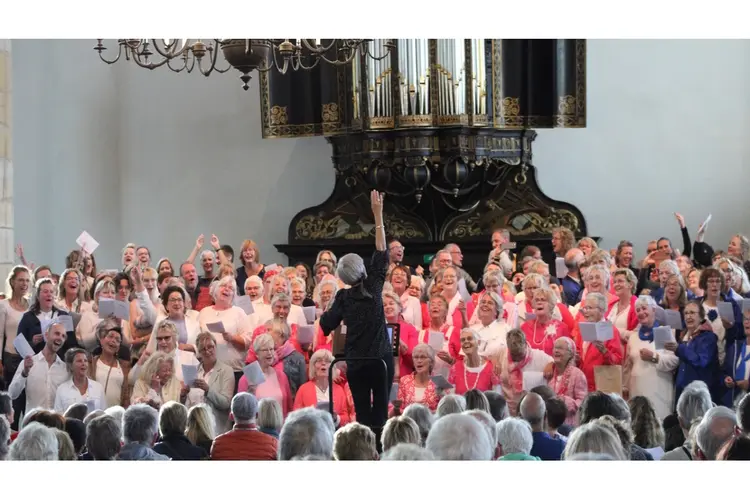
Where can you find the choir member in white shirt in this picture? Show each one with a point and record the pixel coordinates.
(234, 341)
(261, 310)
(214, 385)
(79, 388)
(87, 325)
(411, 307)
(42, 373)
(174, 301)
(491, 328)
(166, 334)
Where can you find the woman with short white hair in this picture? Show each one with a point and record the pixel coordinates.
(275, 384)
(491, 327)
(34, 442)
(323, 296)
(596, 279)
(525, 309)
(515, 439)
(418, 387)
(233, 342)
(157, 384)
(568, 382)
(649, 372)
(471, 371)
(316, 392)
(165, 337)
(542, 331)
(594, 437)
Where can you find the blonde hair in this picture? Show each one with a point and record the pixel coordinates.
(323, 354)
(12, 275)
(398, 430)
(151, 367)
(354, 441)
(548, 295)
(629, 277)
(270, 415)
(319, 287)
(200, 424)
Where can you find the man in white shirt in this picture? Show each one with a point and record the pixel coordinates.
(42, 373)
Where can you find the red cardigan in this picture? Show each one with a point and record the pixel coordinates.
(593, 358)
(288, 402)
(343, 404)
(410, 336)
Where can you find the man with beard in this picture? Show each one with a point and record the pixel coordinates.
(42, 373)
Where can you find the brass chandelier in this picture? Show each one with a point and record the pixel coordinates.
(244, 55)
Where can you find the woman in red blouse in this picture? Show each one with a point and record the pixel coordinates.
(472, 372)
(417, 386)
(542, 331)
(438, 310)
(409, 334)
(315, 391)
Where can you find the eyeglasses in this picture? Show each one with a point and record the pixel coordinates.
(159, 339)
(176, 300)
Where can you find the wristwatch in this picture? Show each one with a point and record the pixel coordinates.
(655, 358)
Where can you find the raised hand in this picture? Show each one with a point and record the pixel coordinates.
(215, 242)
(680, 219)
(376, 202)
(199, 242)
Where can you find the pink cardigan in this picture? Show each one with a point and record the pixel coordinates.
(571, 393)
(287, 401)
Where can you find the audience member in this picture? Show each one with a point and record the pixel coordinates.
(307, 432)
(35, 442)
(459, 437)
(103, 438)
(140, 426)
(515, 440)
(244, 441)
(172, 441)
(533, 410)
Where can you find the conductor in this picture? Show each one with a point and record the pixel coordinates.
(360, 307)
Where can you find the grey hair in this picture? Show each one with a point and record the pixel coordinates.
(594, 437)
(117, 413)
(694, 402)
(270, 415)
(226, 280)
(493, 276)
(280, 297)
(307, 431)
(600, 269)
(279, 326)
(172, 418)
(428, 350)
(34, 442)
(596, 457)
(140, 424)
(395, 298)
(601, 300)
(253, 279)
(244, 407)
(103, 437)
(351, 269)
(459, 437)
(354, 441)
(622, 407)
(4, 437)
(538, 279)
(709, 438)
(407, 452)
(422, 416)
(323, 354)
(645, 301)
(449, 404)
(262, 340)
(669, 265)
(319, 287)
(400, 429)
(497, 299)
(514, 436)
(533, 409)
(487, 422)
(297, 281)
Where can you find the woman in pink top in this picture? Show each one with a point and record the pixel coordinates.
(568, 382)
(276, 383)
(409, 334)
(471, 371)
(543, 329)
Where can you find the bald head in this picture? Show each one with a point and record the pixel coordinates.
(533, 409)
(574, 257)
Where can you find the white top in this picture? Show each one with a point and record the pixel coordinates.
(718, 327)
(41, 384)
(419, 394)
(9, 319)
(235, 322)
(261, 314)
(492, 338)
(296, 316)
(652, 380)
(68, 394)
(322, 396)
(192, 326)
(452, 305)
(111, 379)
(411, 310)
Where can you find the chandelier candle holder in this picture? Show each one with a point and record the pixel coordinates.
(244, 55)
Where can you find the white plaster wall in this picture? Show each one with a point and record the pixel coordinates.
(158, 158)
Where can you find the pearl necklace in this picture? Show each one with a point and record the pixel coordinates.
(466, 381)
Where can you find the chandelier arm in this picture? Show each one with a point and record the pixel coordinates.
(169, 53)
(119, 53)
(212, 66)
(319, 48)
(274, 61)
(137, 59)
(302, 66)
(184, 65)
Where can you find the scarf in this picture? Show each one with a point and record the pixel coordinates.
(647, 334)
(744, 356)
(515, 371)
(561, 387)
(284, 351)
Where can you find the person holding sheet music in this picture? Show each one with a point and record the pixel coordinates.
(86, 330)
(723, 325)
(599, 352)
(174, 301)
(491, 327)
(266, 379)
(442, 337)
(79, 388)
(697, 351)
(737, 365)
(43, 308)
(674, 299)
(459, 309)
(649, 367)
(568, 382)
(315, 391)
(409, 335)
(166, 339)
(228, 323)
(411, 309)
(471, 371)
(41, 374)
(213, 384)
(112, 373)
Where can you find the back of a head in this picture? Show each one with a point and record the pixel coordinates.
(244, 407)
(407, 452)
(694, 402)
(4, 437)
(597, 404)
(498, 405)
(103, 438)
(422, 416)
(743, 414)
(140, 424)
(594, 437)
(716, 428)
(476, 400)
(544, 391)
(6, 405)
(76, 429)
(115, 412)
(401, 429)
(65, 449)
(35, 442)
(487, 422)
(77, 411)
(533, 409)
(355, 441)
(557, 412)
(450, 404)
(595, 457)
(514, 436)
(351, 269)
(459, 437)
(307, 431)
(172, 419)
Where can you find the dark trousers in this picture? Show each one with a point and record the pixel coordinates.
(371, 390)
(10, 365)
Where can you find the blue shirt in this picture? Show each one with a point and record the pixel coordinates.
(546, 447)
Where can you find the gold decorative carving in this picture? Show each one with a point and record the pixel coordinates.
(278, 115)
(534, 222)
(511, 106)
(567, 105)
(468, 228)
(378, 122)
(331, 117)
(313, 227)
(415, 120)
